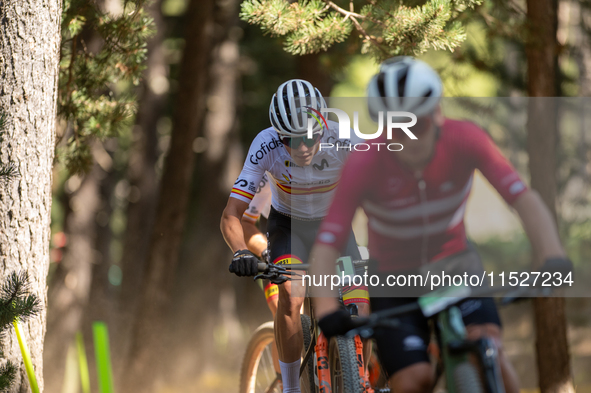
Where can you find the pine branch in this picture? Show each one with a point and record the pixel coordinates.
(8, 173)
(90, 100)
(7, 375)
(387, 28)
(15, 301)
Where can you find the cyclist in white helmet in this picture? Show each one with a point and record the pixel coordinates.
(415, 201)
(303, 180)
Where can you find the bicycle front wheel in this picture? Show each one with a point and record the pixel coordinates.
(344, 370)
(466, 379)
(258, 373)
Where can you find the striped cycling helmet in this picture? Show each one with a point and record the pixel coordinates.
(292, 105)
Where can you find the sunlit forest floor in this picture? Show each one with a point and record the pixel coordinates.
(222, 375)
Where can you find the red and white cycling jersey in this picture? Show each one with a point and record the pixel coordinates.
(415, 220)
(304, 192)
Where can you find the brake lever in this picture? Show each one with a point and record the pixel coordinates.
(279, 280)
(519, 292)
(274, 278)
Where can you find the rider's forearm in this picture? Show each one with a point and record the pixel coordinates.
(539, 226)
(254, 239)
(323, 259)
(232, 231)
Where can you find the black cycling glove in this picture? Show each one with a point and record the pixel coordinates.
(244, 263)
(337, 324)
(557, 265)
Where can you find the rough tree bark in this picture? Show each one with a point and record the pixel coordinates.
(172, 205)
(29, 55)
(553, 358)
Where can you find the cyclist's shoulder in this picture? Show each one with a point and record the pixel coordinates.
(265, 148)
(267, 135)
(461, 127)
(463, 134)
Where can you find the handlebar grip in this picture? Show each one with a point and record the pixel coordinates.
(262, 267)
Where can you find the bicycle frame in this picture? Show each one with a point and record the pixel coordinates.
(319, 345)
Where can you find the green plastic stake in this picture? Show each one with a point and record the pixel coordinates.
(26, 356)
(82, 363)
(103, 357)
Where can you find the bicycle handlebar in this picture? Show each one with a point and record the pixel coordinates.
(261, 267)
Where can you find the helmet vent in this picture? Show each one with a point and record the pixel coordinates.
(402, 82)
(381, 87)
(287, 111)
(424, 98)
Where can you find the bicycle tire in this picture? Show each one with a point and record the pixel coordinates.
(259, 343)
(307, 380)
(467, 379)
(344, 370)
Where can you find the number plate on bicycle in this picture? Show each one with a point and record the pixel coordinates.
(440, 299)
(344, 267)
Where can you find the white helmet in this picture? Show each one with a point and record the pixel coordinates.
(293, 105)
(404, 84)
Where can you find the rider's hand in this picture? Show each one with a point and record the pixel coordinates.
(557, 264)
(244, 263)
(337, 323)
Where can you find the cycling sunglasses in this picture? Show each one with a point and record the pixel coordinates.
(294, 142)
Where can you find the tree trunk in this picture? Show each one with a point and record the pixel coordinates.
(583, 58)
(143, 181)
(310, 68)
(70, 286)
(583, 48)
(553, 359)
(207, 297)
(173, 201)
(29, 56)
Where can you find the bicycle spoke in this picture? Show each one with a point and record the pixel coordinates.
(266, 379)
(269, 368)
(274, 384)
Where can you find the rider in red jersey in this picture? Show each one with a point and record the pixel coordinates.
(417, 215)
(415, 201)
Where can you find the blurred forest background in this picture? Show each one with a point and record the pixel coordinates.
(158, 105)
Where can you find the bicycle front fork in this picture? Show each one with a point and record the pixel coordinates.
(488, 357)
